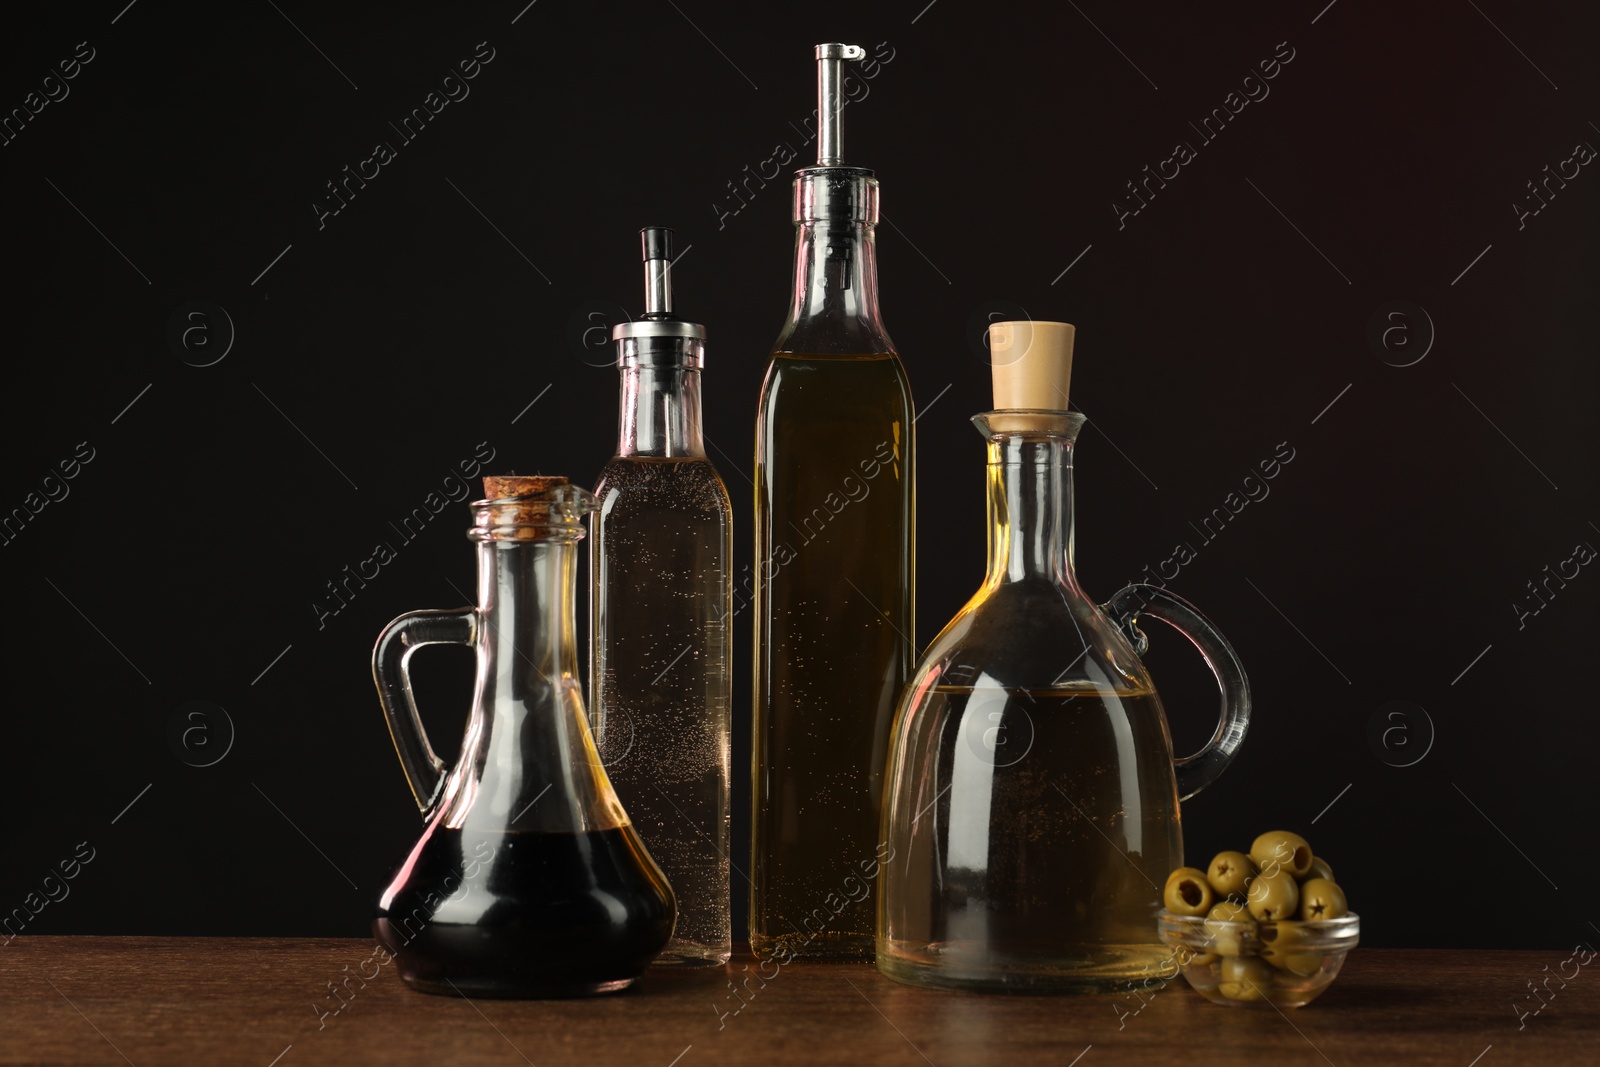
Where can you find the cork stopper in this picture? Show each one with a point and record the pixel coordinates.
(519, 486)
(1032, 364)
(529, 508)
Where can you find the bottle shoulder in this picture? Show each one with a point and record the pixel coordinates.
(837, 381)
(1033, 635)
(844, 336)
(690, 484)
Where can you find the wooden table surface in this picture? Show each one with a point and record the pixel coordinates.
(261, 1002)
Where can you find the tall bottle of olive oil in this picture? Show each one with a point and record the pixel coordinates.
(834, 568)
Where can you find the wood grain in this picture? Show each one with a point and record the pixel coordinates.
(216, 1001)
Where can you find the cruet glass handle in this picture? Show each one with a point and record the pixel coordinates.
(1201, 769)
(391, 671)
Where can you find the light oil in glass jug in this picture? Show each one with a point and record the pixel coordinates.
(1076, 775)
(1032, 796)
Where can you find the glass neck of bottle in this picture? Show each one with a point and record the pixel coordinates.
(525, 595)
(834, 310)
(1030, 509)
(660, 414)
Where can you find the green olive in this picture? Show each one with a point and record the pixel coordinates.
(1187, 892)
(1280, 848)
(1230, 930)
(1320, 869)
(1303, 964)
(1230, 873)
(1321, 898)
(1245, 979)
(1273, 896)
(1284, 936)
(1284, 945)
(1230, 911)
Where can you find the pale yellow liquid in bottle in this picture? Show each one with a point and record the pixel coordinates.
(1045, 824)
(835, 564)
(663, 538)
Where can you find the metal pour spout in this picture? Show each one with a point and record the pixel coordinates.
(657, 336)
(657, 242)
(829, 99)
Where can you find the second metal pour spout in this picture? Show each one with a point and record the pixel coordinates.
(657, 241)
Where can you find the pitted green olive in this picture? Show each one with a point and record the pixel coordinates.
(1230, 911)
(1285, 936)
(1187, 892)
(1230, 930)
(1273, 896)
(1230, 873)
(1320, 869)
(1245, 979)
(1321, 898)
(1280, 848)
(1283, 944)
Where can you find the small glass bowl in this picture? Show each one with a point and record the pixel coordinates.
(1287, 964)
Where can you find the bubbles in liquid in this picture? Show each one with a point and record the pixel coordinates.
(663, 684)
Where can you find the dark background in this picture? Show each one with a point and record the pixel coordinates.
(379, 350)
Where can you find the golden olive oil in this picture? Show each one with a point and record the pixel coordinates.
(833, 643)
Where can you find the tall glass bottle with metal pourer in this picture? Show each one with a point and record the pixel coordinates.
(834, 568)
(661, 610)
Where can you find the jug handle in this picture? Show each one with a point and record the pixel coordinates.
(391, 672)
(1199, 770)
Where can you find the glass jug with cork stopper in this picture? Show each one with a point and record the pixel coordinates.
(1032, 796)
(529, 879)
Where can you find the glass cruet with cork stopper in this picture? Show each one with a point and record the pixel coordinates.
(1032, 798)
(529, 879)
(661, 607)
